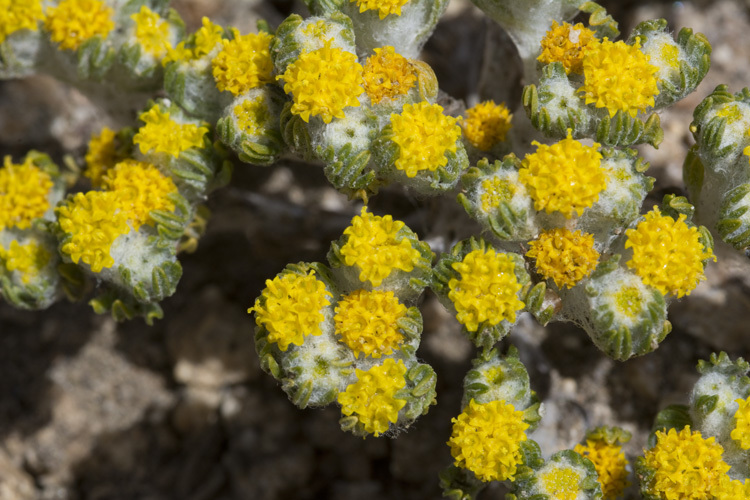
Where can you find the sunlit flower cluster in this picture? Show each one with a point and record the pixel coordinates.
(243, 63)
(487, 124)
(73, 22)
(564, 256)
(566, 44)
(24, 193)
(161, 134)
(17, 15)
(387, 74)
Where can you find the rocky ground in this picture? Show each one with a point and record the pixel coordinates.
(91, 409)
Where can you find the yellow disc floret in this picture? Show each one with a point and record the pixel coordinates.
(487, 438)
(566, 44)
(323, 82)
(27, 259)
(610, 464)
(376, 248)
(667, 253)
(24, 193)
(384, 7)
(565, 177)
(368, 322)
(487, 289)
(243, 63)
(161, 134)
(17, 15)
(291, 308)
(746, 151)
(619, 77)
(152, 32)
(494, 192)
(741, 431)
(387, 75)
(252, 115)
(686, 466)
(564, 256)
(72, 22)
(424, 136)
(487, 124)
(208, 36)
(101, 156)
(561, 483)
(141, 188)
(92, 222)
(372, 398)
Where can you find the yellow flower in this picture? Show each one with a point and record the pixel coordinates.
(161, 134)
(141, 188)
(290, 307)
(566, 177)
(72, 22)
(24, 194)
(243, 63)
(495, 191)
(424, 135)
(368, 322)
(564, 256)
(667, 253)
(205, 40)
(92, 221)
(101, 156)
(17, 15)
(732, 489)
(741, 431)
(27, 259)
(384, 7)
(687, 466)
(252, 115)
(487, 290)
(566, 44)
(746, 151)
(487, 124)
(323, 82)
(376, 248)
(618, 76)
(561, 483)
(372, 398)
(152, 32)
(610, 464)
(487, 438)
(387, 75)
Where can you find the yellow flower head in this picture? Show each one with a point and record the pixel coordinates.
(141, 188)
(243, 63)
(161, 134)
(487, 438)
(618, 77)
(152, 32)
(610, 464)
(566, 44)
(561, 483)
(291, 308)
(732, 489)
(387, 75)
(495, 191)
(17, 15)
(487, 124)
(101, 156)
(24, 193)
(372, 398)
(667, 253)
(564, 256)
(205, 40)
(741, 431)
(323, 82)
(368, 322)
(746, 151)
(687, 466)
(375, 247)
(565, 177)
(27, 259)
(73, 22)
(252, 115)
(424, 135)
(92, 221)
(384, 7)
(487, 290)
